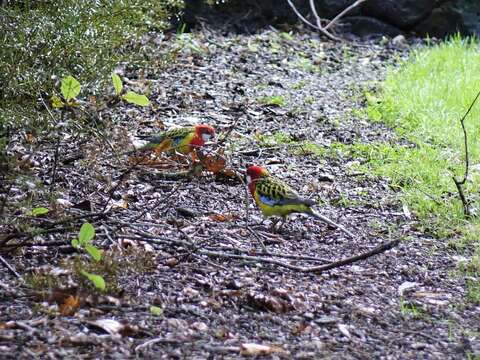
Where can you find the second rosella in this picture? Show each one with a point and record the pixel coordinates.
(183, 140)
(276, 198)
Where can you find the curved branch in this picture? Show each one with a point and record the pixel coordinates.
(321, 29)
(335, 19)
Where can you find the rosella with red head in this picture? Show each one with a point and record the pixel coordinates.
(276, 198)
(183, 140)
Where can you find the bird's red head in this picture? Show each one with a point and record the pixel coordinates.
(204, 133)
(253, 174)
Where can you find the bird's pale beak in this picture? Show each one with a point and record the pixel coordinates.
(206, 137)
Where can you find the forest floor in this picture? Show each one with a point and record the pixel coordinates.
(188, 247)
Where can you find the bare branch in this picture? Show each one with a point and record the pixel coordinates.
(350, 260)
(321, 29)
(315, 14)
(462, 122)
(149, 238)
(335, 19)
(318, 26)
(459, 183)
(9, 267)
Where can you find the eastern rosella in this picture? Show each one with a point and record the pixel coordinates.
(183, 140)
(276, 198)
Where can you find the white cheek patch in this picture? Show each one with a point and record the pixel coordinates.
(206, 137)
(249, 179)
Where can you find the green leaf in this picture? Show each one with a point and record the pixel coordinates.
(70, 87)
(96, 280)
(57, 103)
(86, 234)
(275, 100)
(117, 84)
(155, 310)
(75, 243)
(94, 252)
(137, 99)
(39, 211)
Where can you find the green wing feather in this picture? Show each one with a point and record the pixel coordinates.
(274, 197)
(172, 134)
(277, 190)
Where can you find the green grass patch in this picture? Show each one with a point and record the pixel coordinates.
(423, 101)
(273, 100)
(277, 138)
(410, 310)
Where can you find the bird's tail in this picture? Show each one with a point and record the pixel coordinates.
(316, 215)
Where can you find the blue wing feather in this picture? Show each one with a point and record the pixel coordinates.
(176, 140)
(271, 202)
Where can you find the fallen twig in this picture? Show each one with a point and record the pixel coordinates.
(229, 131)
(375, 251)
(9, 267)
(313, 269)
(146, 237)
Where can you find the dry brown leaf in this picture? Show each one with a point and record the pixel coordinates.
(243, 232)
(214, 163)
(110, 326)
(223, 217)
(270, 303)
(229, 173)
(223, 334)
(171, 261)
(60, 295)
(30, 138)
(113, 327)
(70, 305)
(160, 124)
(251, 349)
(121, 204)
(300, 328)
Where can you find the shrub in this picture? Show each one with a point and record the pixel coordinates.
(43, 41)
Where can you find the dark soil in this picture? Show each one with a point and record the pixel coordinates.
(405, 303)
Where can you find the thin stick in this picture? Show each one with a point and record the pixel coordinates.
(335, 19)
(229, 131)
(319, 216)
(350, 260)
(146, 237)
(55, 164)
(9, 267)
(321, 29)
(315, 14)
(311, 269)
(210, 262)
(459, 183)
(462, 122)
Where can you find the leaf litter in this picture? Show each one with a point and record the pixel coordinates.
(235, 306)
